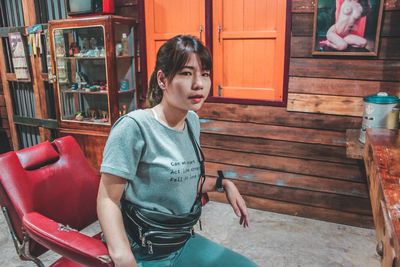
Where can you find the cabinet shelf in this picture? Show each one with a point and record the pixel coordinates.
(81, 58)
(87, 120)
(125, 57)
(92, 58)
(84, 92)
(130, 91)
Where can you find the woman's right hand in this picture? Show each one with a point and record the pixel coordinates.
(124, 260)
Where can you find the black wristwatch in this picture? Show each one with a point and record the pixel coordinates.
(219, 185)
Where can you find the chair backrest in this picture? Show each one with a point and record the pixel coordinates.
(54, 179)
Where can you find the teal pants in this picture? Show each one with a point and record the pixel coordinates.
(197, 252)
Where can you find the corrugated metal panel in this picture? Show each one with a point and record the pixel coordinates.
(11, 13)
(23, 98)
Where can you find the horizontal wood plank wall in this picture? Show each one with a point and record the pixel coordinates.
(287, 162)
(293, 160)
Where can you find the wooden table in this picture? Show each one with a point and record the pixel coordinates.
(382, 163)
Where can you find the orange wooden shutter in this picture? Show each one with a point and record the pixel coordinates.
(165, 19)
(249, 48)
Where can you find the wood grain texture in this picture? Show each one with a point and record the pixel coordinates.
(354, 148)
(325, 104)
(273, 132)
(276, 147)
(328, 215)
(341, 87)
(302, 6)
(305, 197)
(127, 11)
(390, 23)
(2, 101)
(290, 180)
(357, 69)
(5, 123)
(123, 3)
(277, 116)
(302, 24)
(284, 164)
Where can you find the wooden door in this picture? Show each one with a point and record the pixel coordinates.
(165, 19)
(249, 46)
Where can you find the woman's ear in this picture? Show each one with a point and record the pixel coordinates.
(161, 79)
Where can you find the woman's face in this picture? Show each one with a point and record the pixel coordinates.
(189, 88)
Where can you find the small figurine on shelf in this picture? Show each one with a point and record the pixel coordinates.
(78, 80)
(92, 113)
(104, 115)
(124, 85)
(79, 116)
(123, 111)
(103, 86)
(118, 49)
(73, 49)
(60, 50)
(94, 88)
(125, 45)
(85, 43)
(74, 86)
(102, 52)
(93, 43)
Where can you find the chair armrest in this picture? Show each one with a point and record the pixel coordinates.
(66, 241)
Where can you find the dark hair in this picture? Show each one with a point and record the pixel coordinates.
(171, 58)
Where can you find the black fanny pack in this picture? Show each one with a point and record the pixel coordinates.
(163, 233)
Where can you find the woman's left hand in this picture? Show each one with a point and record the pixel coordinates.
(237, 202)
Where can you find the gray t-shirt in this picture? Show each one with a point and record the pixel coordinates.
(159, 163)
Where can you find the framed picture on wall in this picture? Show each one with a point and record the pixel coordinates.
(347, 27)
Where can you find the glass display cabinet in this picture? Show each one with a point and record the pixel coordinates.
(94, 76)
(93, 61)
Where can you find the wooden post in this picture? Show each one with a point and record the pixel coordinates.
(39, 90)
(8, 98)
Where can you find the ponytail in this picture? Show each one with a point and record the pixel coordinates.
(155, 93)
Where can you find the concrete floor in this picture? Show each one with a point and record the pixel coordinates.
(272, 240)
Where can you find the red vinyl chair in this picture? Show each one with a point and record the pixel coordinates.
(48, 194)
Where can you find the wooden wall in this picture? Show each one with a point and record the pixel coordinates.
(293, 160)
